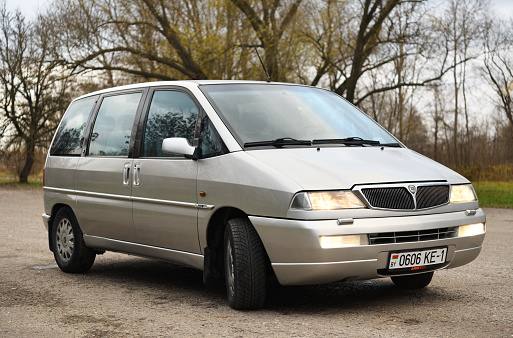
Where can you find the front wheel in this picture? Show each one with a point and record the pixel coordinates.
(69, 249)
(413, 281)
(245, 265)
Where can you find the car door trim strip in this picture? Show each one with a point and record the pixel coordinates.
(131, 198)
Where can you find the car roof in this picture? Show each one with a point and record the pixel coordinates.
(184, 83)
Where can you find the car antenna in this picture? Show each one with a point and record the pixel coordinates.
(265, 70)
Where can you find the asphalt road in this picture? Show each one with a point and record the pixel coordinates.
(129, 296)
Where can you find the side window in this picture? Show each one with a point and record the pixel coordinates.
(113, 125)
(68, 138)
(172, 114)
(211, 143)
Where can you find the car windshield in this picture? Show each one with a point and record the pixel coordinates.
(288, 115)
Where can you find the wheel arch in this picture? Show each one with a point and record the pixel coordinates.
(55, 210)
(213, 267)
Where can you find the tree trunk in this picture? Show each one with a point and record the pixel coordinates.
(456, 157)
(271, 55)
(400, 108)
(29, 162)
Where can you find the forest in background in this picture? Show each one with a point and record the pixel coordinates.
(437, 74)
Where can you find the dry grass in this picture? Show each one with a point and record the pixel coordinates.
(498, 173)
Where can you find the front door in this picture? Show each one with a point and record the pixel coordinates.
(164, 186)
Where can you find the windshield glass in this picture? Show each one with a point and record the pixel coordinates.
(267, 112)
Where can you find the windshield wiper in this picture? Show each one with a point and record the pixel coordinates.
(348, 141)
(279, 142)
(355, 141)
(394, 145)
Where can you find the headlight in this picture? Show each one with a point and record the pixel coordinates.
(471, 229)
(326, 200)
(462, 193)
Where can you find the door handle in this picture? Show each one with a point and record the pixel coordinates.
(126, 174)
(137, 172)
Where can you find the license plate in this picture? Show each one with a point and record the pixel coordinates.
(411, 259)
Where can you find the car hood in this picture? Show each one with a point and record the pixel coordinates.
(343, 167)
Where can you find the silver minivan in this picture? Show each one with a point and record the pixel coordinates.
(249, 181)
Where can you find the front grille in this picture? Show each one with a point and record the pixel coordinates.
(399, 198)
(431, 196)
(413, 236)
(389, 198)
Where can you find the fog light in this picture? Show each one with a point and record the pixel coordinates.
(330, 242)
(471, 230)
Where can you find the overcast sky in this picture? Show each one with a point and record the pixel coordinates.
(30, 7)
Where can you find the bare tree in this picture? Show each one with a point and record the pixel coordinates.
(263, 18)
(403, 60)
(367, 48)
(460, 28)
(157, 40)
(372, 18)
(32, 85)
(498, 66)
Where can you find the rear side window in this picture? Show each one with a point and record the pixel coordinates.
(70, 135)
(113, 125)
(172, 114)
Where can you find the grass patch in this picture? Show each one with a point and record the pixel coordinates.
(34, 181)
(494, 194)
(17, 184)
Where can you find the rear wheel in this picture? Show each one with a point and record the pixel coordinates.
(69, 249)
(245, 265)
(413, 281)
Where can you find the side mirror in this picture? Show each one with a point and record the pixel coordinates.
(178, 145)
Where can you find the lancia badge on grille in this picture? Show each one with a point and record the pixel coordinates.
(412, 189)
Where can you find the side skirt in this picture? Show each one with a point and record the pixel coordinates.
(180, 257)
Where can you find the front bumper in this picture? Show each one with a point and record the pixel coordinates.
(298, 259)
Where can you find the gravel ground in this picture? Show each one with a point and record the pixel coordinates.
(129, 296)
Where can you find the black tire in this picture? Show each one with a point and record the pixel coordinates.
(245, 265)
(69, 249)
(413, 281)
